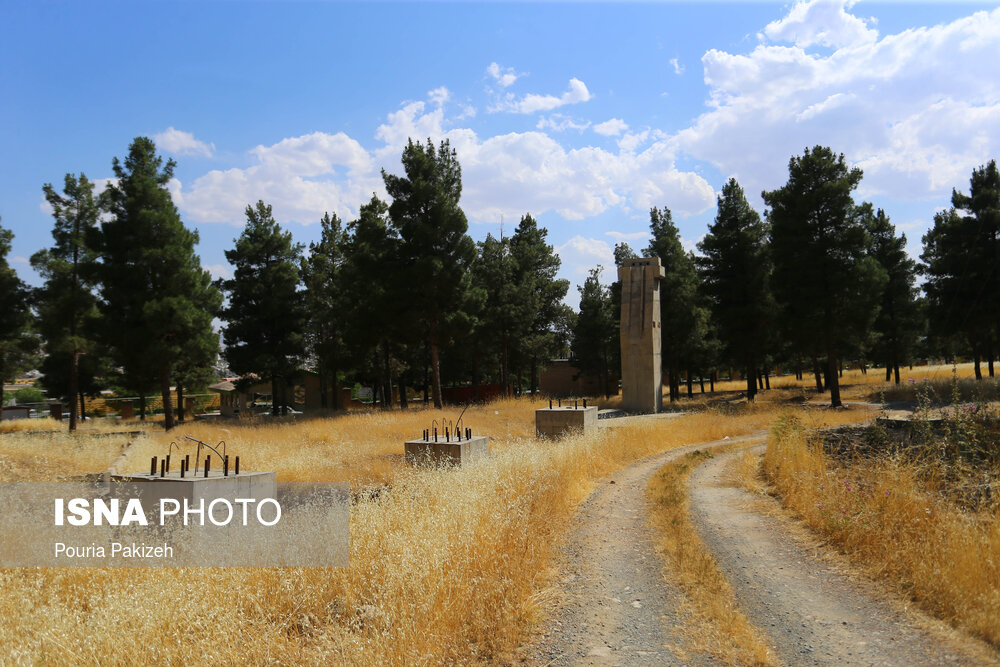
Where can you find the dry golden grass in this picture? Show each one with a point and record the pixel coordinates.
(887, 515)
(446, 566)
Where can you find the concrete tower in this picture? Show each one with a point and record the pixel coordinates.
(641, 336)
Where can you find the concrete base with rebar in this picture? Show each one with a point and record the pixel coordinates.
(555, 421)
(195, 486)
(456, 452)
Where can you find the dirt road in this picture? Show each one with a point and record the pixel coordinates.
(813, 613)
(613, 606)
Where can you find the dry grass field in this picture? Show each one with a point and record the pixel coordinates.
(896, 515)
(446, 566)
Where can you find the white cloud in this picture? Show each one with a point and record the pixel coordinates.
(439, 95)
(916, 110)
(611, 128)
(631, 236)
(504, 76)
(17, 259)
(678, 68)
(179, 142)
(218, 270)
(531, 102)
(560, 123)
(580, 254)
(508, 174)
(822, 22)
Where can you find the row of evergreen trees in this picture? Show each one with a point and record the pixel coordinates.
(400, 296)
(820, 280)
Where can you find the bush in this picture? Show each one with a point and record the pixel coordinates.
(29, 395)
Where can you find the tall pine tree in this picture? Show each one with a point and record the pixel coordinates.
(325, 295)
(683, 315)
(735, 268)
(435, 252)
(595, 334)
(824, 281)
(265, 313)
(156, 297)
(15, 340)
(67, 302)
(899, 324)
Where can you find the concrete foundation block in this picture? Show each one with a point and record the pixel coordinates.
(457, 452)
(553, 422)
(194, 486)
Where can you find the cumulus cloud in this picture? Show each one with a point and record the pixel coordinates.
(822, 22)
(580, 254)
(506, 174)
(532, 103)
(678, 68)
(504, 76)
(611, 128)
(916, 110)
(179, 142)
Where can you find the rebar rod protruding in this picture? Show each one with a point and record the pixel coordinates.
(152, 466)
(237, 465)
(208, 464)
(550, 404)
(168, 462)
(163, 468)
(183, 468)
(225, 465)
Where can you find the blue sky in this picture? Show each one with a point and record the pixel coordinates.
(584, 115)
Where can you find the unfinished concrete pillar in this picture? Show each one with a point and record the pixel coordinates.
(642, 374)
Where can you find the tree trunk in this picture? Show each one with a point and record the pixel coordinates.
(324, 400)
(690, 387)
(701, 379)
(142, 406)
(274, 395)
(979, 370)
(168, 411)
(505, 368)
(180, 403)
(897, 373)
(335, 386)
(435, 368)
(834, 383)
(767, 378)
(74, 384)
(991, 365)
(711, 380)
(83, 408)
(751, 383)
(426, 379)
(888, 370)
(817, 373)
(760, 379)
(388, 376)
(534, 376)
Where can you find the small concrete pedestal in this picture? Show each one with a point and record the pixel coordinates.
(456, 452)
(195, 486)
(553, 422)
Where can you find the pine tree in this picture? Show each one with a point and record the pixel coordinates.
(961, 256)
(899, 323)
(824, 281)
(156, 297)
(595, 336)
(325, 295)
(541, 294)
(377, 295)
(735, 270)
(435, 253)
(265, 314)
(15, 341)
(682, 315)
(67, 303)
